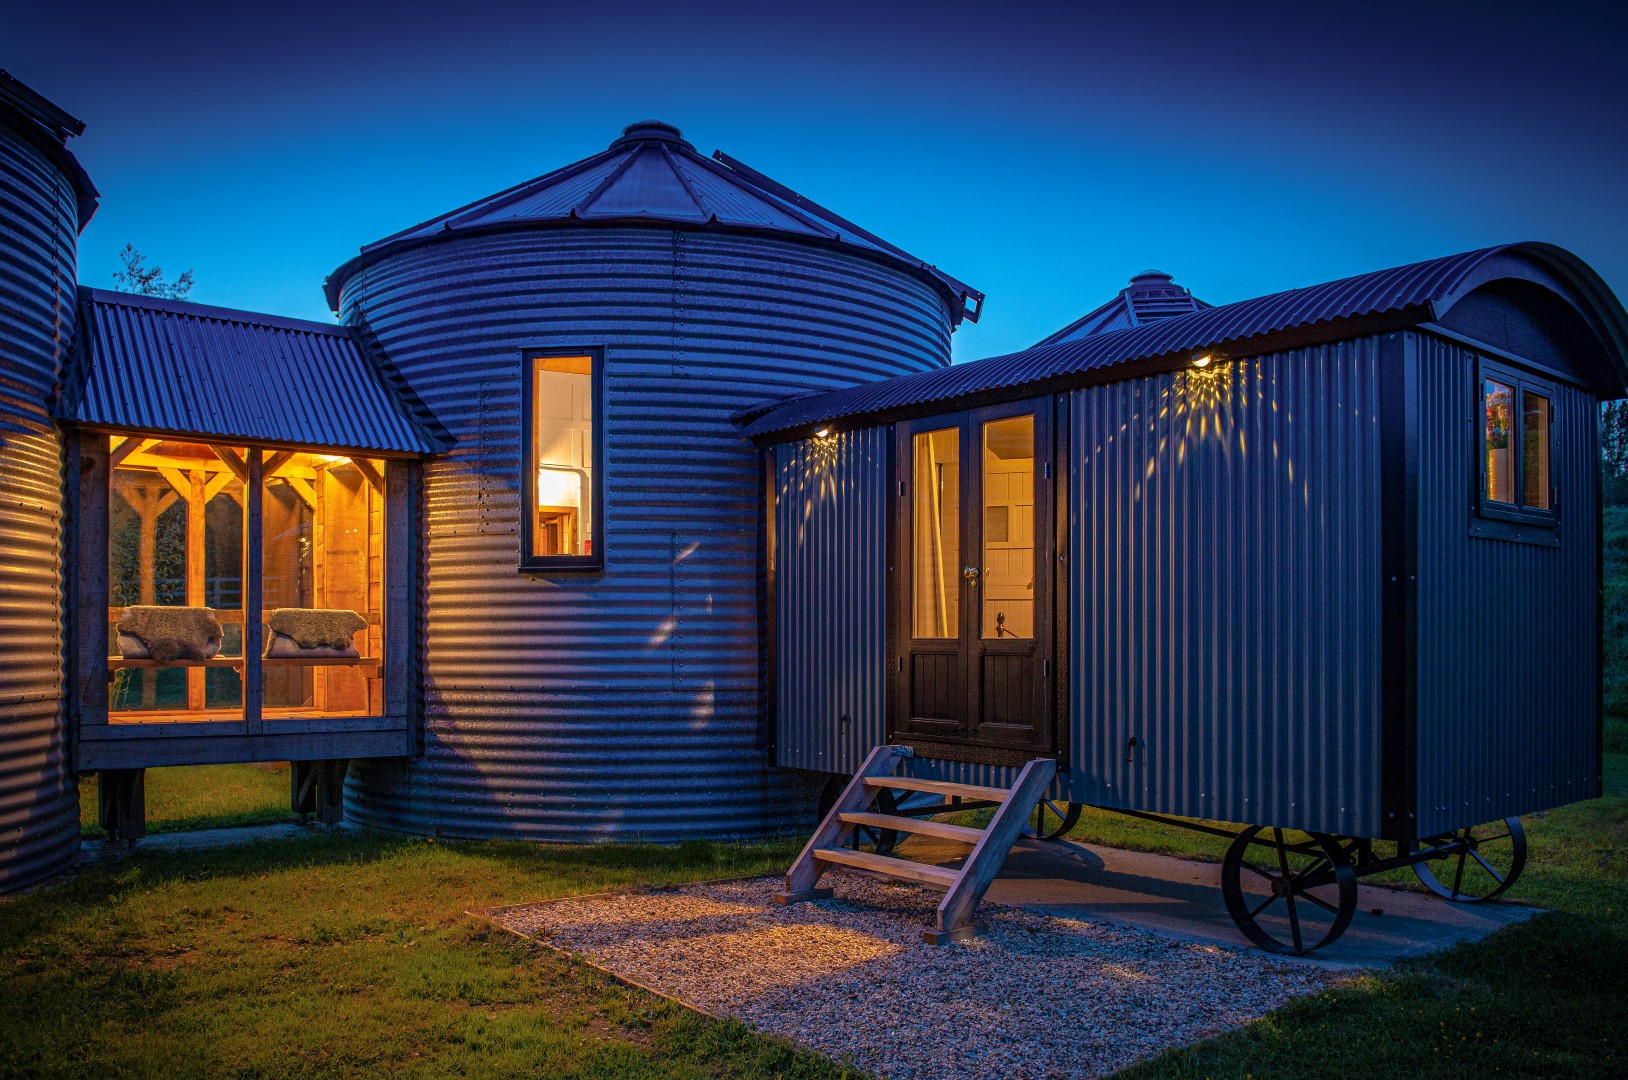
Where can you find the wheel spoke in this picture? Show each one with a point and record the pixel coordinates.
(1253, 869)
(1458, 875)
(1487, 866)
(1294, 922)
(1324, 904)
(1264, 904)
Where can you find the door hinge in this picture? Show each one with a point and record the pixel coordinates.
(1046, 469)
(900, 666)
(901, 489)
(1045, 669)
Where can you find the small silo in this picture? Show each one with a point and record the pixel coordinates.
(45, 199)
(612, 691)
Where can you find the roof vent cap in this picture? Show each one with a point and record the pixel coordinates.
(651, 131)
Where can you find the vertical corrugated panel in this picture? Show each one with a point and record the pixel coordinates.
(830, 582)
(1226, 591)
(39, 805)
(620, 705)
(1507, 631)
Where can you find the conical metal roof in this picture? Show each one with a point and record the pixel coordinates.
(652, 174)
(1151, 295)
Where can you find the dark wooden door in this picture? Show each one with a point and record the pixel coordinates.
(974, 578)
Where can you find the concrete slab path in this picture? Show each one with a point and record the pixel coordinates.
(1182, 897)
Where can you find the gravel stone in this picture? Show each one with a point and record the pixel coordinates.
(1036, 998)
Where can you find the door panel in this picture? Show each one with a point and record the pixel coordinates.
(974, 576)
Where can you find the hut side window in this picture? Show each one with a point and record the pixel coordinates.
(561, 473)
(1517, 414)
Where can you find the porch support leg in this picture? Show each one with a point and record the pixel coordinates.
(121, 796)
(318, 787)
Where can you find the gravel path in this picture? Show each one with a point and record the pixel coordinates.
(1038, 997)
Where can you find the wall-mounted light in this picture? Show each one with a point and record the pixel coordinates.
(822, 433)
(1203, 360)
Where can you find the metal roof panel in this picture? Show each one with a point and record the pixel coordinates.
(171, 367)
(1417, 292)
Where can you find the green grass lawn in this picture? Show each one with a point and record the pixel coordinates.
(349, 955)
(204, 796)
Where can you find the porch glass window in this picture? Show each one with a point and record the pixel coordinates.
(179, 531)
(561, 469)
(937, 534)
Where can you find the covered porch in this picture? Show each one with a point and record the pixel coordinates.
(234, 472)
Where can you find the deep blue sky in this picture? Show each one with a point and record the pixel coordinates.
(1042, 152)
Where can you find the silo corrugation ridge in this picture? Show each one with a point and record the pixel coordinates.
(39, 804)
(1507, 630)
(623, 705)
(1226, 578)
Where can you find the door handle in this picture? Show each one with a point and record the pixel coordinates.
(970, 573)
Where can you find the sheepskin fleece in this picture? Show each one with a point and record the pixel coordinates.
(173, 633)
(316, 628)
(279, 646)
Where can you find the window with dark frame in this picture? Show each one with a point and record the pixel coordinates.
(561, 475)
(1517, 419)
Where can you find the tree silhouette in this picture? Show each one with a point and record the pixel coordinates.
(137, 278)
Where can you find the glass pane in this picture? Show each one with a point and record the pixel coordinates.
(937, 518)
(562, 450)
(1535, 450)
(175, 549)
(1498, 403)
(1007, 584)
(322, 581)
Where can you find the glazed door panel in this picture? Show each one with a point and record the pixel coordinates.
(975, 578)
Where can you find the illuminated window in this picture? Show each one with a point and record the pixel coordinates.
(1517, 419)
(561, 481)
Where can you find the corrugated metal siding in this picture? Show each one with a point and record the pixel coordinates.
(1507, 631)
(1413, 288)
(39, 803)
(1225, 591)
(166, 366)
(830, 599)
(621, 705)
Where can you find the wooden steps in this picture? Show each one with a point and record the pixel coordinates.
(920, 826)
(964, 886)
(938, 787)
(920, 873)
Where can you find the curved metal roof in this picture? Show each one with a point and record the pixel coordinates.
(1151, 295)
(652, 174)
(172, 367)
(1365, 304)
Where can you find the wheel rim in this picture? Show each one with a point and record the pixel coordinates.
(1288, 896)
(1053, 819)
(1475, 864)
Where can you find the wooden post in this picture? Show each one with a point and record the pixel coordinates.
(197, 535)
(318, 787)
(88, 695)
(253, 555)
(121, 797)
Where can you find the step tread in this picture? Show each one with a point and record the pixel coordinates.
(938, 787)
(919, 826)
(921, 873)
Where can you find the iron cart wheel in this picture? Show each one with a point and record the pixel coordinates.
(865, 837)
(1475, 864)
(1053, 820)
(1288, 897)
